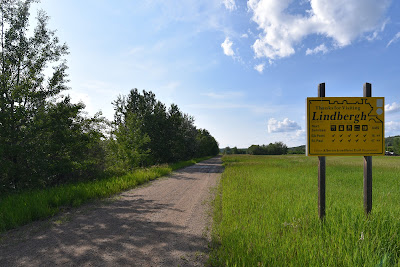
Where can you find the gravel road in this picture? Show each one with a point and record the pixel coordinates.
(161, 224)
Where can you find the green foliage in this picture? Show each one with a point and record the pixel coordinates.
(396, 145)
(228, 151)
(297, 150)
(24, 207)
(128, 150)
(392, 144)
(207, 145)
(277, 148)
(145, 133)
(266, 213)
(44, 140)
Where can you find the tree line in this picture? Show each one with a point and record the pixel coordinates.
(392, 144)
(145, 132)
(277, 148)
(46, 140)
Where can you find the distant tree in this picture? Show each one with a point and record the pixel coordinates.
(277, 148)
(396, 145)
(296, 150)
(207, 145)
(227, 150)
(235, 150)
(254, 150)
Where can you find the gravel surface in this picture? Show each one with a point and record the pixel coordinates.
(165, 223)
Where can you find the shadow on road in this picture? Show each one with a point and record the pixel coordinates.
(113, 233)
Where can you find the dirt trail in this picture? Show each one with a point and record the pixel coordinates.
(162, 224)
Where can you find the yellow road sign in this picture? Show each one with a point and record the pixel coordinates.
(345, 126)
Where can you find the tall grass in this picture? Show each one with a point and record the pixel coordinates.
(22, 208)
(266, 213)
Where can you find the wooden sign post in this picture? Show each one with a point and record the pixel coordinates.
(368, 166)
(345, 126)
(321, 169)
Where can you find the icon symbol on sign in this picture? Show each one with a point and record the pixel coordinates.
(349, 127)
(333, 127)
(365, 127)
(341, 127)
(356, 127)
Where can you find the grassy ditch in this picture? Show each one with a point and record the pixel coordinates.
(266, 213)
(22, 208)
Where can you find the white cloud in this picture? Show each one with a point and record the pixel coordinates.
(336, 20)
(275, 126)
(301, 134)
(259, 67)
(392, 128)
(394, 39)
(227, 47)
(79, 97)
(291, 139)
(224, 95)
(244, 35)
(229, 4)
(394, 107)
(375, 34)
(256, 109)
(319, 49)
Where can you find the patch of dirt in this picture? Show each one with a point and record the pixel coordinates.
(164, 223)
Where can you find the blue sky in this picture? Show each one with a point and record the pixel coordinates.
(243, 69)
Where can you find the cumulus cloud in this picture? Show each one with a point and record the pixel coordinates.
(333, 19)
(244, 35)
(319, 49)
(227, 47)
(394, 39)
(275, 126)
(229, 4)
(259, 67)
(394, 107)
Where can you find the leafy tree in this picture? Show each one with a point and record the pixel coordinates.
(127, 150)
(181, 133)
(157, 135)
(278, 148)
(227, 150)
(207, 145)
(235, 150)
(254, 150)
(151, 117)
(42, 135)
(396, 145)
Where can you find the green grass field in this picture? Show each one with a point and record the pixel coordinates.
(266, 213)
(24, 207)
